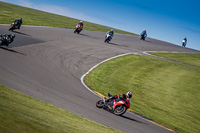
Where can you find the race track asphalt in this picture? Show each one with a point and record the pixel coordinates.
(47, 63)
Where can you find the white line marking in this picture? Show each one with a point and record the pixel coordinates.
(82, 81)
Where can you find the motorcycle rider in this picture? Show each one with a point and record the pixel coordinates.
(79, 27)
(81, 24)
(6, 39)
(111, 32)
(118, 98)
(18, 22)
(184, 42)
(143, 35)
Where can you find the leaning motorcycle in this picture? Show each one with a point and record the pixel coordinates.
(14, 26)
(108, 38)
(78, 29)
(143, 37)
(116, 106)
(5, 40)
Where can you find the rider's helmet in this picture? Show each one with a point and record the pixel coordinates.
(111, 30)
(129, 94)
(20, 19)
(13, 35)
(81, 21)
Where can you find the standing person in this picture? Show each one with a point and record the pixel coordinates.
(184, 42)
(143, 35)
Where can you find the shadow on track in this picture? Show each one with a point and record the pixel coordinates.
(117, 44)
(147, 41)
(11, 50)
(113, 44)
(131, 119)
(88, 36)
(21, 33)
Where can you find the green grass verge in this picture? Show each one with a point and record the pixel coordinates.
(166, 92)
(10, 12)
(20, 113)
(187, 58)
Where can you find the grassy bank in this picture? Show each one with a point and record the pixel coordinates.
(10, 12)
(163, 91)
(187, 58)
(20, 113)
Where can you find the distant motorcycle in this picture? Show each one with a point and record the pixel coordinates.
(14, 26)
(78, 29)
(108, 38)
(6, 39)
(143, 37)
(116, 106)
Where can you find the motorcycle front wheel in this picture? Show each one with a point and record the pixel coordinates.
(120, 110)
(100, 104)
(11, 28)
(107, 40)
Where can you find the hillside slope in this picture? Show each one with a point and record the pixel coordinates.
(10, 12)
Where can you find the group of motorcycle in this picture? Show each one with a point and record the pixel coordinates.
(108, 37)
(116, 106)
(7, 39)
(109, 34)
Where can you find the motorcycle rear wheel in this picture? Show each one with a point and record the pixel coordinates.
(120, 110)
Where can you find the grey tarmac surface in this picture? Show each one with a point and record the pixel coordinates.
(47, 63)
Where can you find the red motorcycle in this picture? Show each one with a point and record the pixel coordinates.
(78, 28)
(117, 106)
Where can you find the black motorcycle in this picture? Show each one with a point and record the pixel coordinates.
(6, 39)
(143, 37)
(14, 25)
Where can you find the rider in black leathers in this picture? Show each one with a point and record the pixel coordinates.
(111, 33)
(18, 23)
(6, 39)
(143, 35)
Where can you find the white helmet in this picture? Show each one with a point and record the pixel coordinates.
(129, 94)
(81, 21)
